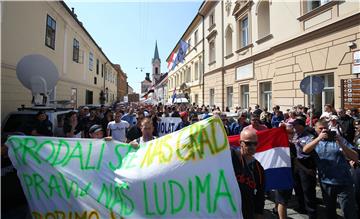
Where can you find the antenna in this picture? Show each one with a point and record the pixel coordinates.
(38, 74)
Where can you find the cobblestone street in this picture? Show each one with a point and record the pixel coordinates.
(269, 205)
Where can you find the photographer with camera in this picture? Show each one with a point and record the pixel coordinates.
(334, 170)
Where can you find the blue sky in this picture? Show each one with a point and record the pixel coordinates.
(127, 31)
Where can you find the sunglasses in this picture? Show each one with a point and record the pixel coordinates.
(249, 143)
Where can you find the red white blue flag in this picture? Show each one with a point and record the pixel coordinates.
(273, 153)
(171, 62)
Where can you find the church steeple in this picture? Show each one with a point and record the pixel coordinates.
(156, 64)
(156, 54)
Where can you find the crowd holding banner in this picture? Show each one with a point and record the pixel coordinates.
(166, 177)
(174, 162)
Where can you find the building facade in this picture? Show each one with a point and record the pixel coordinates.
(122, 87)
(161, 90)
(146, 84)
(258, 51)
(187, 77)
(130, 89)
(53, 30)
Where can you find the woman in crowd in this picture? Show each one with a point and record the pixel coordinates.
(71, 125)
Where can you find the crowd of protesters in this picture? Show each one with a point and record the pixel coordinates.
(324, 147)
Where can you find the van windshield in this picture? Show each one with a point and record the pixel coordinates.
(18, 122)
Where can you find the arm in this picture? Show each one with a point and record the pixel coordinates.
(311, 146)
(108, 131)
(348, 152)
(260, 195)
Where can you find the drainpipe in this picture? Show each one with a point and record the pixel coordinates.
(105, 71)
(222, 57)
(203, 59)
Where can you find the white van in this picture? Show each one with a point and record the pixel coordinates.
(16, 121)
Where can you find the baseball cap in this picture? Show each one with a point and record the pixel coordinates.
(85, 108)
(95, 128)
(298, 122)
(183, 114)
(334, 117)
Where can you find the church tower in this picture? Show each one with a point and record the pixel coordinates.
(156, 63)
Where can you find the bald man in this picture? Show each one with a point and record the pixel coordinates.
(250, 175)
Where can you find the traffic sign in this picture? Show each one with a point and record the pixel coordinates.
(316, 87)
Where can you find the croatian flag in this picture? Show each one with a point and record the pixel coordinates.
(171, 62)
(273, 153)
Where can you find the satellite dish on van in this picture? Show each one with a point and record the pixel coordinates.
(38, 74)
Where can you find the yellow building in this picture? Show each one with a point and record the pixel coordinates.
(187, 77)
(258, 51)
(263, 49)
(51, 29)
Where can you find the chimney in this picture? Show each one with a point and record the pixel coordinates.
(72, 10)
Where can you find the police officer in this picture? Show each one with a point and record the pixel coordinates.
(304, 171)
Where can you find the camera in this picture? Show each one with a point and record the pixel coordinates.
(331, 135)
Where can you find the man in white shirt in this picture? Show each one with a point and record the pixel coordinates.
(117, 128)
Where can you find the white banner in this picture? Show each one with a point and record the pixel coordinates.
(186, 174)
(167, 125)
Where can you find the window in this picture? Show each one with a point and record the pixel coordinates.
(196, 71)
(188, 75)
(102, 70)
(244, 27)
(88, 97)
(228, 37)
(212, 19)
(266, 94)
(212, 96)
(156, 70)
(312, 4)
(95, 80)
(97, 66)
(76, 48)
(245, 97)
(50, 32)
(263, 19)
(196, 37)
(196, 99)
(327, 96)
(91, 61)
(229, 96)
(74, 97)
(212, 51)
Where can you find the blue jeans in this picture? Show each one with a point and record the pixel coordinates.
(346, 195)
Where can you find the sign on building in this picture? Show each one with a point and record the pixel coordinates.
(350, 93)
(245, 72)
(356, 62)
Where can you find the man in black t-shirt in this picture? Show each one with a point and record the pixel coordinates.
(41, 125)
(250, 175)
(87, 122)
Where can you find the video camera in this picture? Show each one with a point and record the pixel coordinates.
(331, 135)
